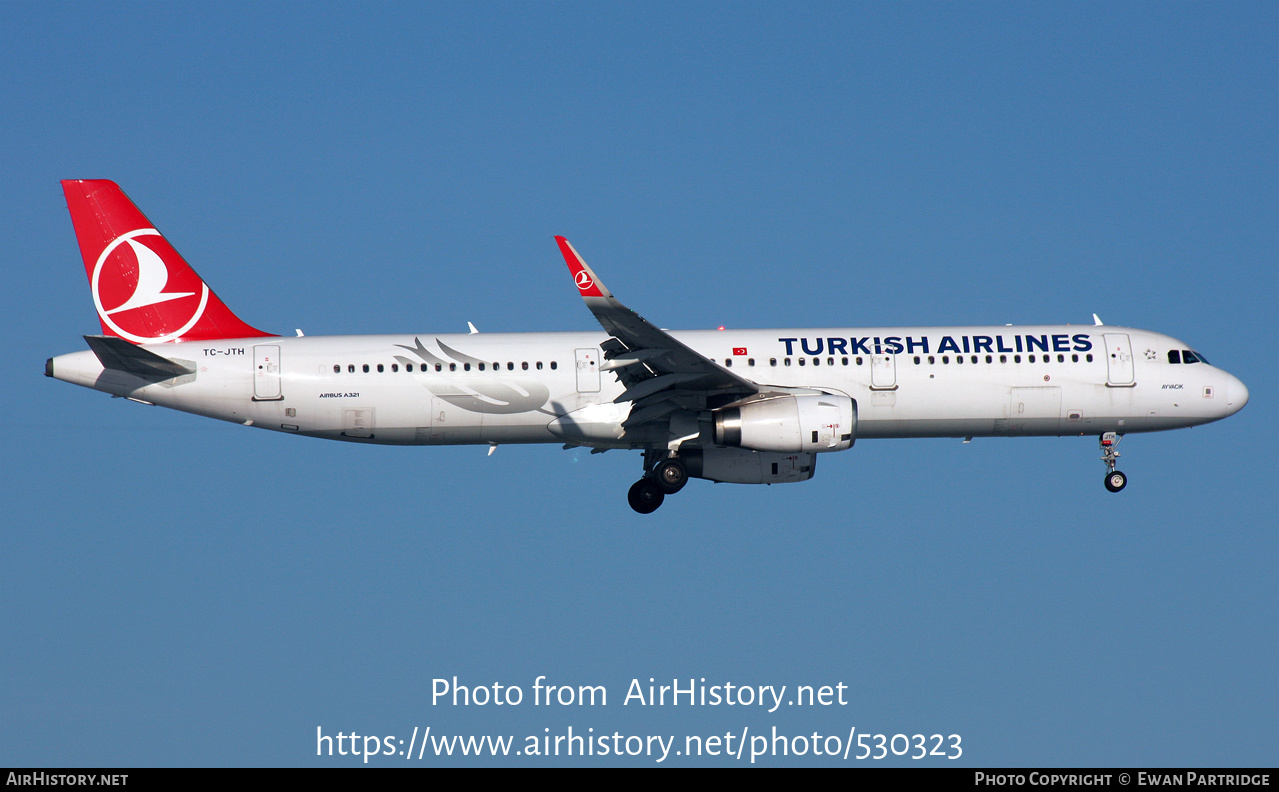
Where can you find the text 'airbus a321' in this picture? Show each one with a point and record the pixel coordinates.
(743, 406)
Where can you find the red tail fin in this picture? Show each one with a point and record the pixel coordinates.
(144, 291)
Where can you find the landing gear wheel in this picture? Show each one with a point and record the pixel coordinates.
(1116, 481)
(645, 496)
(670, 476)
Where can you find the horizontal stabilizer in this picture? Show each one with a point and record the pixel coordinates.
(120, 355)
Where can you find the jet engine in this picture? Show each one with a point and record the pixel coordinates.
(743, 466)
(809, 423)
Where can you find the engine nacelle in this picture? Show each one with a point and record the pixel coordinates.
(809, 423)
(743, 466)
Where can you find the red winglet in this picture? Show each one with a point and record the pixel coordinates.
(145, 292)
(586, 281)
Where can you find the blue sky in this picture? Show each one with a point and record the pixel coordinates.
(177, 591)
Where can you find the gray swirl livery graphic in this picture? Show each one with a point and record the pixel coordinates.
(487, 396)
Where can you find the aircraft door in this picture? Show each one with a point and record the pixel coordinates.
(1035, 411)
(1119, 371)
(266, 373)
(357, 422)
(451, 424)
(883, 372)
(588, 371)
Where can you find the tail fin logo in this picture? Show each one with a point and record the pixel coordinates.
(133, 278)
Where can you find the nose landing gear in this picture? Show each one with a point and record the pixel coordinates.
(1115, 481)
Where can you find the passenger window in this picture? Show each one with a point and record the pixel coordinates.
(440, 367)
(380, 369)
(802, 361)
(728, 362)
(395, 367)
(337, 369)
(351, 368)
(1061, 358)
(772, 361)
(510, 366)
(844, 361)
(539, 365)
(1016, 358)
(366, 368)
(1074, 358)
(830, 361)
(989, 359)
(859, 361)
(1003, 358)
(750, 361)
(916, 360)
(1089, 358)
(524, 365)
(452, 367)
(786, 361)
(554, 365)
(481, 367)
(466, 366)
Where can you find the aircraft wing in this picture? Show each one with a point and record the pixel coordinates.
(661, 374)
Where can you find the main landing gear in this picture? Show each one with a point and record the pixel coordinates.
(1115, 480)
(663, 475)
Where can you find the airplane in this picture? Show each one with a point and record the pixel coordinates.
(736, 406)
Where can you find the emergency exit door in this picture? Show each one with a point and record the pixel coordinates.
(883, 372)
(588, 371)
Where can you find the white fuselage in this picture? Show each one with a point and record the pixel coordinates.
(548, 387)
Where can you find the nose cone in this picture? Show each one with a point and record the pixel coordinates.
(1236, 394)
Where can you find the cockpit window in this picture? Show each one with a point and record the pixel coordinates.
(1185, 356)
